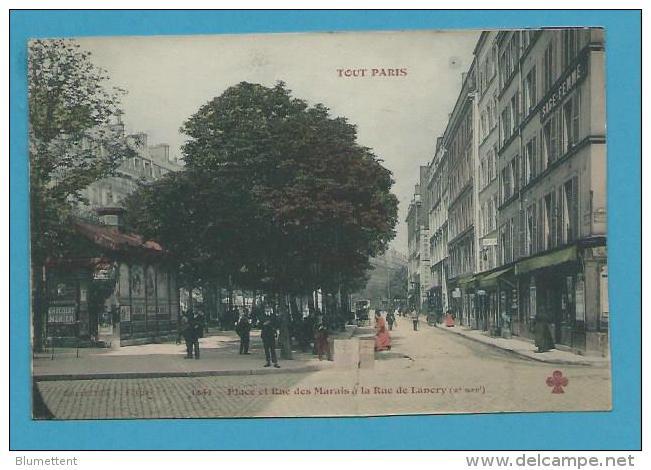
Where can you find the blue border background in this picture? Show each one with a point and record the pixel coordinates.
(619, 429)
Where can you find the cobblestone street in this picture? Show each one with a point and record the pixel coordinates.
(428, 371)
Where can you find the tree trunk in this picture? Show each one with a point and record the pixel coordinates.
(285, 338)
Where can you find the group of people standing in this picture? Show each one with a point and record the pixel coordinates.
(268, 334)
(311, 330)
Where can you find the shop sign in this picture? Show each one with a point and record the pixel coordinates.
(570, 82)
(63, 314)
(489, 241)
(104, 272)
(579, 298)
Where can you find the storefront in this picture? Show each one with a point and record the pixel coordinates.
(566, 288)
(497, 308)
(119, 290)
(462, 300)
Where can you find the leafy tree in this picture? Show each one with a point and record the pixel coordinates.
(282, 199)
(72, 143)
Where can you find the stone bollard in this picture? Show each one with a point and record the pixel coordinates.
(345, 352)
(366, 352)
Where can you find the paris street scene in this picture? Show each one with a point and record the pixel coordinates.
(318, 224)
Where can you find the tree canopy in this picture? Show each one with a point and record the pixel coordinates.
(72, 139)
(276, 194)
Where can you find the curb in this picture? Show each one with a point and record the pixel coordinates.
(536, 358)
(158, 375)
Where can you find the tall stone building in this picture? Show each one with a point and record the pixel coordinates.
(149, 164)
(486, 57)
(418, 245)
(437, 187)
(525, 157)
(460, 141)
(560, 247)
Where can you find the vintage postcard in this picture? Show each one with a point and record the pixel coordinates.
(318, 224)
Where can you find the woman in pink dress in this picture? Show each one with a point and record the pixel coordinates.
(382, 338)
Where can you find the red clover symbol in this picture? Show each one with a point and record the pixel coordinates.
(557, 381)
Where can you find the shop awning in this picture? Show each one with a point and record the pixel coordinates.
(490, 280)
(544, 261)
(465, 280)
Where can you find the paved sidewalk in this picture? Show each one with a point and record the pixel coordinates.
(527, 349)
(219, 356)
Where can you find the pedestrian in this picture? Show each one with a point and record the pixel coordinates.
(243, 330)
(449, 319)
(321, 340)
(307, 332)
(543, 337)
(268, 334)
(382, 338)
(391, 320)
(191, 333)
(414, 318)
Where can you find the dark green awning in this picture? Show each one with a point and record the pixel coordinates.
(465, 280)
(490, 280)
(544, 261)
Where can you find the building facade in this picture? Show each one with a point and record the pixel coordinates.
(525, 156)
(488, 196)
(460, 141)
(437, 186)
(118, 290)
(149, 164)
(418, 263)
(561, 268)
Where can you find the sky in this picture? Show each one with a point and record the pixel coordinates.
(398, 114)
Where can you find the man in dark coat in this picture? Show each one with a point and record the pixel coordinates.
(268, 335)
(391, 319)
(191, 334)
(243, 330)
(543, 337)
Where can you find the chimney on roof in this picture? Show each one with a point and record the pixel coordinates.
(111, 217)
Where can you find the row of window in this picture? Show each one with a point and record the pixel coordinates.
(569, 42)
(439, 247)
(487, 70)
(510, 118)
(460, 151)
(509, 56)
(145, 167)
(488, 216)
(545, 223)
(461, 216)
(461, 175)
(462, 258)
(559, 134)
(488, 168)
(488, 118)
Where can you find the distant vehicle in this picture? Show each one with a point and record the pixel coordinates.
(362, 311)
